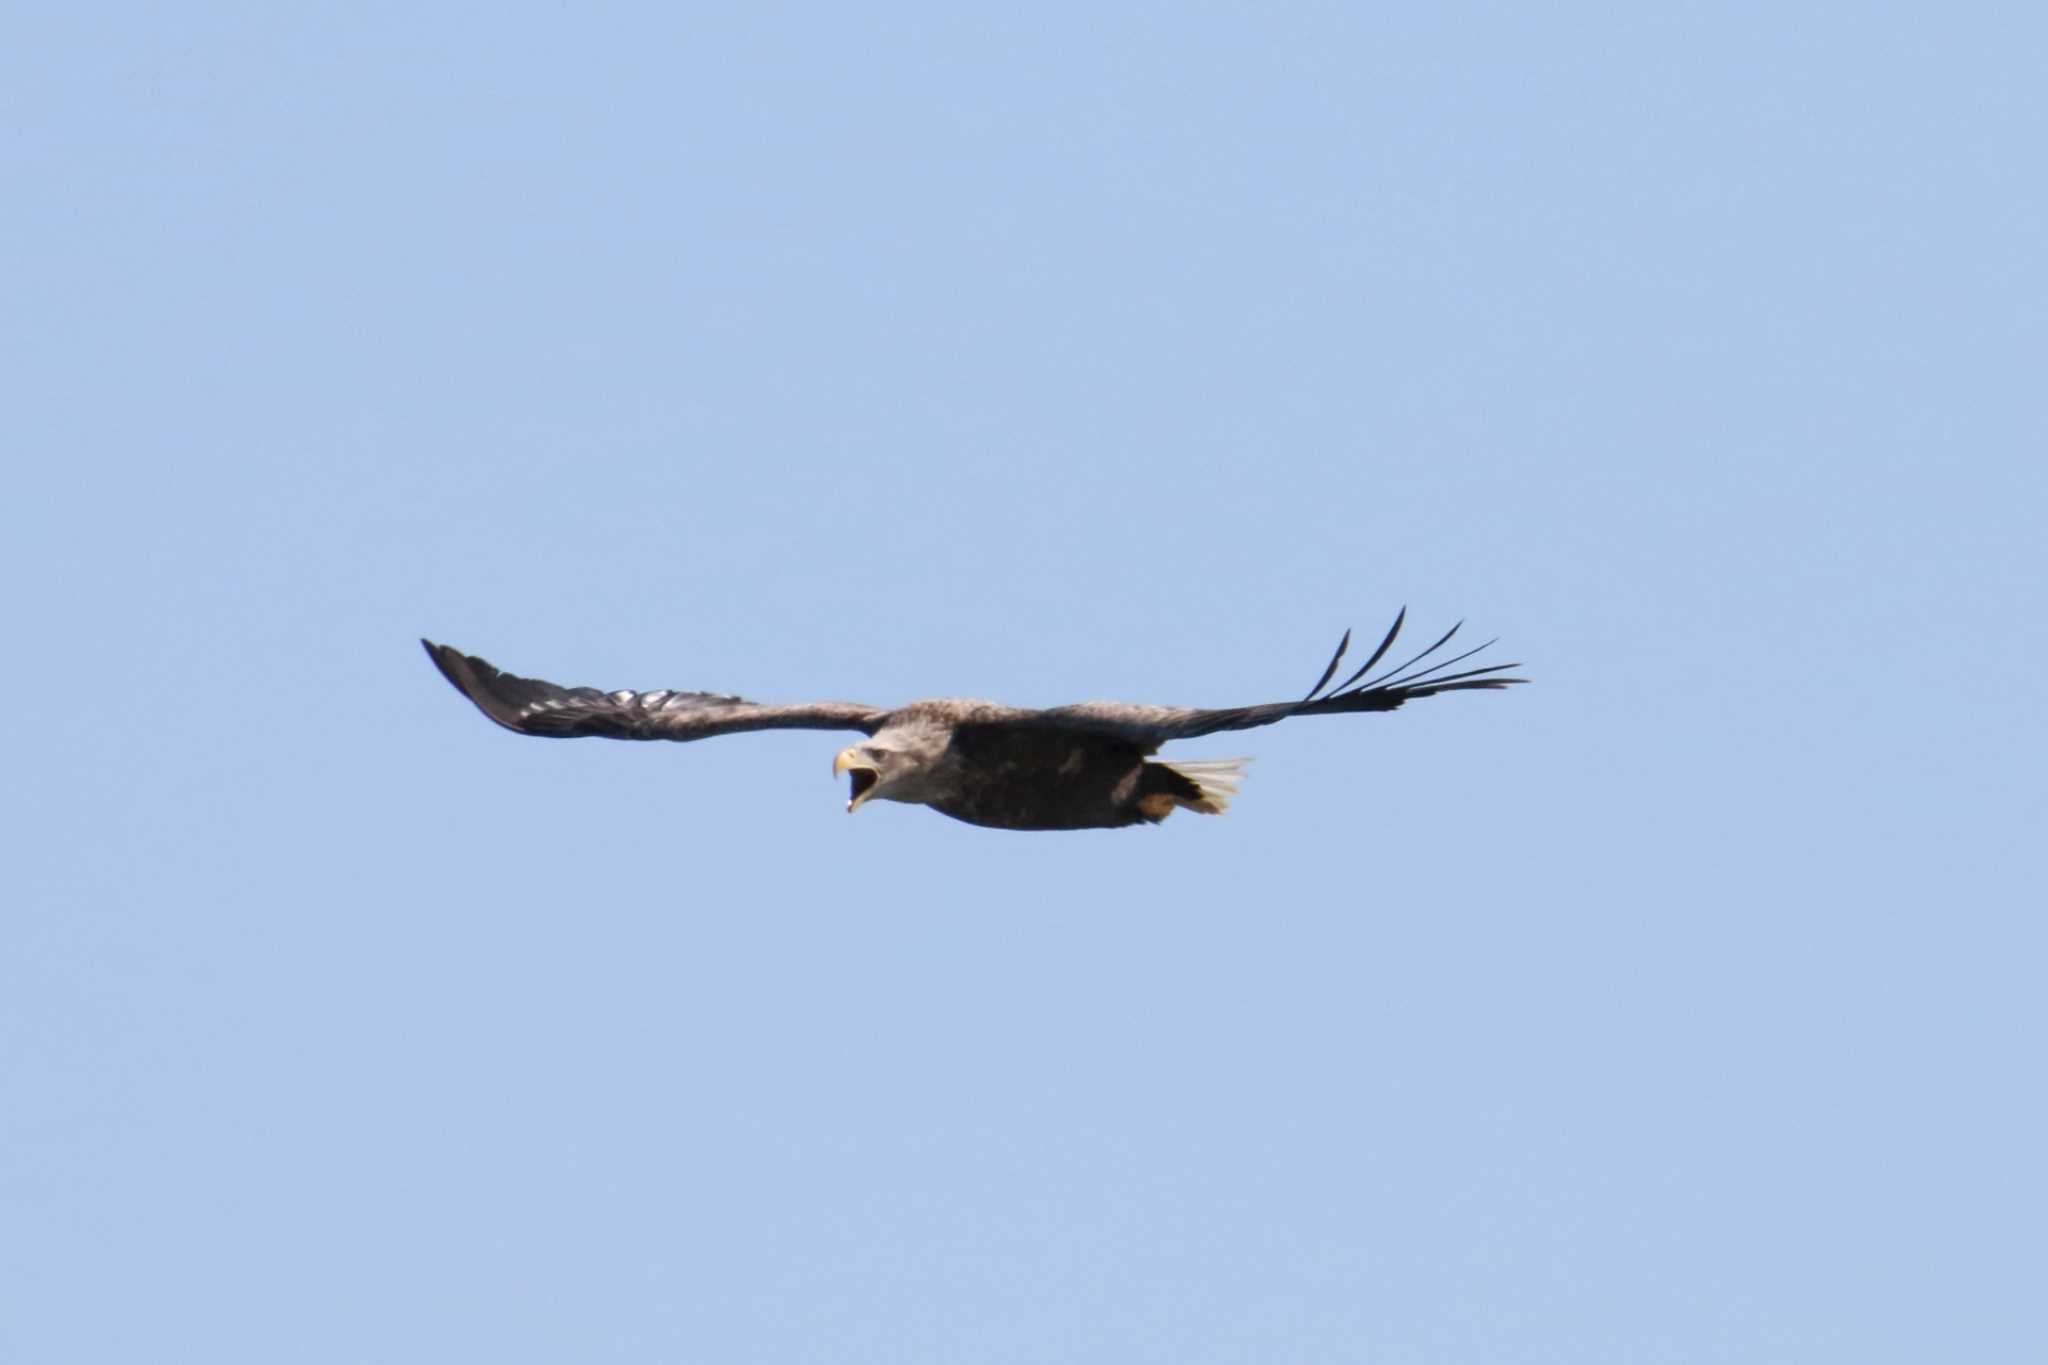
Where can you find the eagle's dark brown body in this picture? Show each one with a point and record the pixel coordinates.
(1021, 779)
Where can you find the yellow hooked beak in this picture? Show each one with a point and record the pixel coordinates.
(865, 776)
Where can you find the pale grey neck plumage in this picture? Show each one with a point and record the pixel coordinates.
(909, 753)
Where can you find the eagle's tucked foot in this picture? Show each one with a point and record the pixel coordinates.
(1214, 780)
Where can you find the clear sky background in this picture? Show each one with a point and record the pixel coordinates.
(1683, 1006)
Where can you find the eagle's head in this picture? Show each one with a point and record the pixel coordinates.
(877, 769)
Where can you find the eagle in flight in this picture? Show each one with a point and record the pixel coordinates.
(1086, 766)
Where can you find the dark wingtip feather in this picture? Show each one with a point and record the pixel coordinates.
(447, 660)
(1398, 669)
(479, 681)
(1462, 682)
(1400, 677)
(1405, 681)
(1330, 672)
(1393, 631)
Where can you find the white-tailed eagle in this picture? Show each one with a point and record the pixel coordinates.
(1068, 767)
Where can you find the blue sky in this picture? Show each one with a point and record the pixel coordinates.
(1684, 1006)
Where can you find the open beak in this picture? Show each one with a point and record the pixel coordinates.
(863, 780)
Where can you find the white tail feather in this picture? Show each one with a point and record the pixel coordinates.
(1217, 778)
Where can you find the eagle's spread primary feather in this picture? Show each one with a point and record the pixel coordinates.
(1085, 766)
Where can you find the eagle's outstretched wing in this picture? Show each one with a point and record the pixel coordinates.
(533, 707)
(1152, 726)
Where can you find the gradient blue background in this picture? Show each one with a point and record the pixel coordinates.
(1685, 1006)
